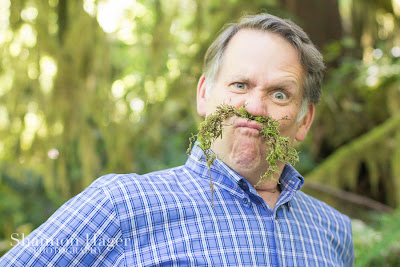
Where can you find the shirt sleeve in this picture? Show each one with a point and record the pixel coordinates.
(350, 250)
(85, 231)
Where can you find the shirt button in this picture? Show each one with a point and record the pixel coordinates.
(243, 185)
(245, 201)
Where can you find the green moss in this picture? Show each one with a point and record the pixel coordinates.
(278, 147)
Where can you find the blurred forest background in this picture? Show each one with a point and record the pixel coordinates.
(92, 87)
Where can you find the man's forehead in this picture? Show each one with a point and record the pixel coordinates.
(249, 45)
(249, 41)
(256, 35)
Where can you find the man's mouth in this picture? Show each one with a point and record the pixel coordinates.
(246, 123)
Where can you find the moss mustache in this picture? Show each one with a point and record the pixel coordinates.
(278, 147)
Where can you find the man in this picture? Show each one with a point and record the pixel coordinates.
(166, 218)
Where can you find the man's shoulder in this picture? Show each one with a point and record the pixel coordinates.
(319, 209)
(134, 181)
(149, 195)
(164, 186)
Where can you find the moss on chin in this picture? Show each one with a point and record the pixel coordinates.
(278, 147)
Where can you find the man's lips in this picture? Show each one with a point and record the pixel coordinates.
(242, 122)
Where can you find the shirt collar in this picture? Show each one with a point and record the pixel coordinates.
(220, 172)
(290, 179)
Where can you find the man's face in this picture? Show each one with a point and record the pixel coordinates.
(262, 71)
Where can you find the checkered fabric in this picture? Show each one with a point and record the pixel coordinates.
(166, 218)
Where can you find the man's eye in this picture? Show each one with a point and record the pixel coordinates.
(279, 95)
(240, 86)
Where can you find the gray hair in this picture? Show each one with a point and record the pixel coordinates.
(310, 58)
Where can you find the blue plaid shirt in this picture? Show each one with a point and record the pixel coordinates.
(166, 218)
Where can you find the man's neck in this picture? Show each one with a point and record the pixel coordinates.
(269, 190)
(270, 197)
(254, 176)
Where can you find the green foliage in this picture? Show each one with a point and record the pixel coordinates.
(22, 214)
(360, 124)
(378, 244)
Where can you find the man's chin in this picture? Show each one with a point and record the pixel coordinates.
(248, 152)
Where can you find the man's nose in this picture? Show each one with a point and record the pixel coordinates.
(256, 105)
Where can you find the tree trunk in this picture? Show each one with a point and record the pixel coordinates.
(320, 19)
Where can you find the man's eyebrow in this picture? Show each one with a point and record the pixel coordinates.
(241, 78)
(287, 84)
(279, 84)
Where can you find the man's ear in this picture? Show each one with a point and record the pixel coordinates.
(201, 96)
(305, 123)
